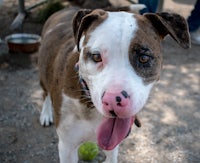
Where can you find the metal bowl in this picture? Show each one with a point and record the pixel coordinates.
(23, 42)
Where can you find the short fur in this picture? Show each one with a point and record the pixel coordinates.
(130, 63)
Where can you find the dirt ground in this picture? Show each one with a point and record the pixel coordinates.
(170, 129)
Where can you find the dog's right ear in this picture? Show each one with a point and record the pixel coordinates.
(173, 24)
(83, 19)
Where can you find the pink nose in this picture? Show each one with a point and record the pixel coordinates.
(115, 104)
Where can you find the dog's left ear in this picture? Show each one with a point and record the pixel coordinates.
(83, 20)
(172, 24)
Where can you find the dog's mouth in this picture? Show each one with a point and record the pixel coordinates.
(112, 131)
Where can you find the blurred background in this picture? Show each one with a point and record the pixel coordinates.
(170, 129)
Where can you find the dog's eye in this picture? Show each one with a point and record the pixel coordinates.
(96, 57)
(144, 59)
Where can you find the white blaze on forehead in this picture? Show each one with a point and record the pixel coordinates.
(115, 33)
(111, 39)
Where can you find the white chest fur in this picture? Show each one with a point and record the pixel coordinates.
(77, 124)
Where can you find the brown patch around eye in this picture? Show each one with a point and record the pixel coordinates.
(144, 59)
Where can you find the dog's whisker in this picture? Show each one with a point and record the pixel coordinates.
(85, 100)
(74, 77)
(87, 96)
(78, 90)
(91, 107)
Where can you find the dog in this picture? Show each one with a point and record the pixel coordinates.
(97, 71)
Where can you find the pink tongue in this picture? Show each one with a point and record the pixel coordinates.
(112, 131)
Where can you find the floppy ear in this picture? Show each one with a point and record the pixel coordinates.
(172, 24)
(77, 19)
(83, 19)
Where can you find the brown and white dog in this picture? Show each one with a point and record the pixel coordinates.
(97, 72)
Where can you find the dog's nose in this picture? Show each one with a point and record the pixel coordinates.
(115, 103)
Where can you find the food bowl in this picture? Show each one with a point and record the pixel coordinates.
(23, 42)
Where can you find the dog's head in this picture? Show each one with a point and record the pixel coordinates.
(120, 60)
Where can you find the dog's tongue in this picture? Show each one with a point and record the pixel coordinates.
(112, 131)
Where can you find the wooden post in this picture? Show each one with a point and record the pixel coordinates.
(21, 6)
(17, 23)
